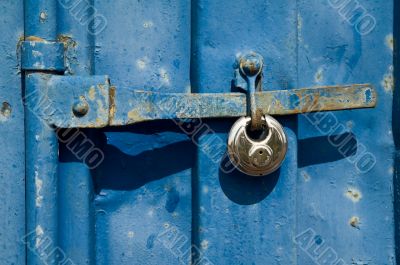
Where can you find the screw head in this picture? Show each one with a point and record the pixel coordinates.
(251, 64)
(80, 107)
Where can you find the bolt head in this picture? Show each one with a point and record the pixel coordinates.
(251, 64)
(80, 107)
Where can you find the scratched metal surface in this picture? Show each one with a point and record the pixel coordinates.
(351, 212)
(77, 215)
(239, 220)
(142, 106)
(12, 170)
(159, 190)
(143, 187)
(60, 93)
(147, 184)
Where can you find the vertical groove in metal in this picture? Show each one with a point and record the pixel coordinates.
(41, 149)
(194, 78)
(396, 127)
(76, 212)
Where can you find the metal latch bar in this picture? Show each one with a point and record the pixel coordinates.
(139, 106)
(91, 102)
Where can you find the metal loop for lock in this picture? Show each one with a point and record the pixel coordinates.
(257, 157)
(251, 66)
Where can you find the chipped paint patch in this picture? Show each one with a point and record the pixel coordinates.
(353, 194)
(38, 186)
(39, 234)
(299, 30)
(350, 124)
(38, 65)
(299, 22)
(148, 24)
(175, 214)
(204, 244)
(306, 176)
(134, 115)
(164, 77)
(389, 41)
(37, 53)
(388, 80)
(355, 222)
(142, 63)
(150, 212)
(92, 93)
(319, 75)
(43, 17)
(131, 234)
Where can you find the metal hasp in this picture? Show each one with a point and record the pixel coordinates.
(107, 106)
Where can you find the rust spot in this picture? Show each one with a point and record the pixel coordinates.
(319, 76)
(113, 107)
(388, 80)
(35, 38)
(67, 40)
(5, 111)
(355, 222)
(92, 93)
(389, 41)
(134, 116)
(353, 194)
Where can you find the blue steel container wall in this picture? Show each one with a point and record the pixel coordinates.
(12, 144)
(76, 190)
(143, 198)
(41, 148)
(40, 19)
(347, 208)
(396, 126)
(237, 219)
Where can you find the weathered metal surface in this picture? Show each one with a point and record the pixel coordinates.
(42, 56)
(109, 107)
(41, 146)
(138, 106)
(56, 98)
(344, 199)
(77, 216)
(155, 185)
(144, 185)
(239, 220)
(12, 143)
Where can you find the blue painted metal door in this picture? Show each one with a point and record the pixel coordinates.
(162, 192)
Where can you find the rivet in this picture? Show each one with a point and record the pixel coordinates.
(80, 107)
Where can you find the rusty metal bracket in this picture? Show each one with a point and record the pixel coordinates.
(91, 102)
(69, 101)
